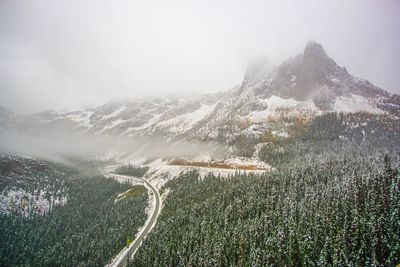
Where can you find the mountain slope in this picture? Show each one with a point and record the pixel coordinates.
(305, 85)
(310, 83)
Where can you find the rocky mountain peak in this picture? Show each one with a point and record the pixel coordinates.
(309, 76)
(296, 77)
(303, 76)
(314, 51)
(317, 60)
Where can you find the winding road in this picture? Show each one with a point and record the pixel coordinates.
(127, 253)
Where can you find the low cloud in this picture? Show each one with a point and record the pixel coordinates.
(57, 148)
(67, 54)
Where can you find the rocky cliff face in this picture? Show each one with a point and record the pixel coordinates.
(313, 75)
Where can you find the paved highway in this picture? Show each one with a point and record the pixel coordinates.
(128, 253)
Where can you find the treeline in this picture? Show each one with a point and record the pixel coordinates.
(34, 176)
(333, 136)
(340, 213)
(132, 170)
(373, 131)
(89, 230)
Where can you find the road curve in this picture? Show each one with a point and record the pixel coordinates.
(122, 259)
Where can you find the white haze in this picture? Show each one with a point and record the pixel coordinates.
(68, 54)
(61, 148)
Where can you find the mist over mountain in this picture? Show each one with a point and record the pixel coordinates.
(308, 84)
(311, 75)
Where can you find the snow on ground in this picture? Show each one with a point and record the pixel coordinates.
(23, 203)
(280, 134)
(244, 162)
(111, 125)
(158, 175)
(186, 121)
(160, 172)
(255, 129)
(114, 113)
(355, 103)
(275, 104)
(153, 120)
(82, 118)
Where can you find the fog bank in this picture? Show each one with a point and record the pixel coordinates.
(67, 54)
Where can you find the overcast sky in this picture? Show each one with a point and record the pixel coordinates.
(69, 54)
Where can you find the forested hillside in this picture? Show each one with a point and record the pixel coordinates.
(325, 137)
(333, 200)
(131, 170)
(87, 230)
(341, 213)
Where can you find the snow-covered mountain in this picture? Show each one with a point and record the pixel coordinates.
(308, 84)
(151, 117)
(313, 75)
(305, 85)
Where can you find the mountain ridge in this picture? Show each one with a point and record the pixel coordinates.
(308, 84)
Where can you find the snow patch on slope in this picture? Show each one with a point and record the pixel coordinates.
(355, 103)
(111, 125)
(186, 121)
(24, 203)
(161, 172)
(276, 105)
(83, 119)
(114, 113)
